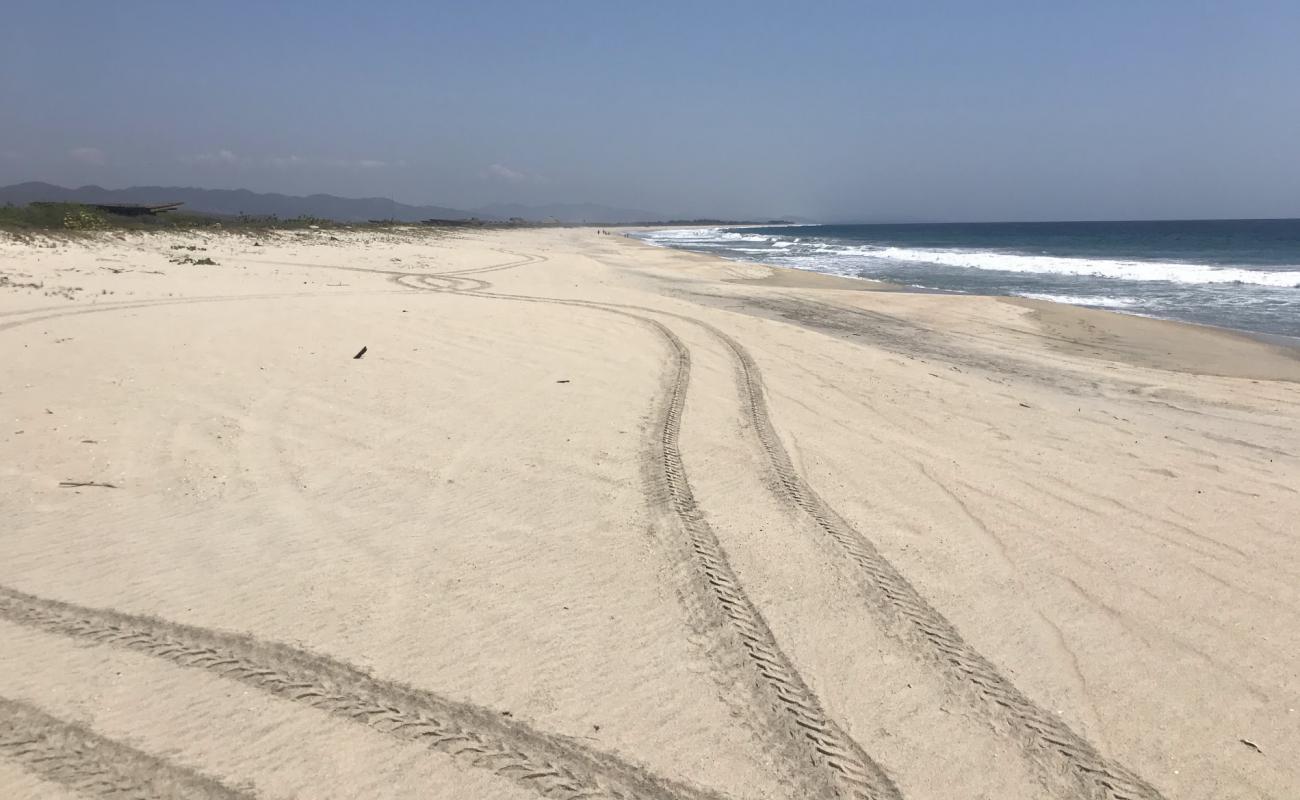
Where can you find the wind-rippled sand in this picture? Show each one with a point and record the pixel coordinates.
(595, 519)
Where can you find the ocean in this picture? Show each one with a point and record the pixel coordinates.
(1241, 274)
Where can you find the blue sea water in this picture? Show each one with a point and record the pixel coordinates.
(1242, 274)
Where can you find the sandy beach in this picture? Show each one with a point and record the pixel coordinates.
(592, 518)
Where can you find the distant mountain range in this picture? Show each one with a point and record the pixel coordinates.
(235, 202)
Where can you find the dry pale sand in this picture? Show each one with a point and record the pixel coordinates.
(592, 519)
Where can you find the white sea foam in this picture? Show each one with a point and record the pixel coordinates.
(702, 236)
(1173, 272)
(823, 256)
(1088, 300)
(683, 234)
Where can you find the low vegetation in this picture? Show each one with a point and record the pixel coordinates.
(69, 217)
(47, 218)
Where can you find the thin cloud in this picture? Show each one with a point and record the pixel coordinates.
(229, 158)
(220, 157)
(362, 163)
(503, 173)
(286, 161)
(88, 155)
(295, 160)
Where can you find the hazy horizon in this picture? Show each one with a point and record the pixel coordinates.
(799, 221)
(1006, 112)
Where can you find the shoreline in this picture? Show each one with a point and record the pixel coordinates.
(1276, 339)
(1141, 339)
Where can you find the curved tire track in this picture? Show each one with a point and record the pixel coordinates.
(1048, 741)
(1045, 736)
(845, 769)
(553, 766)
(131, 305)
(851, 772)
(69, 754)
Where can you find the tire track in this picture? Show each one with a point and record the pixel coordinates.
(845, 768)
(851, 771)
(525, 260)
(71, 755)
(1047, 739)
(553, 766)
(1049, 743)
(131, 305)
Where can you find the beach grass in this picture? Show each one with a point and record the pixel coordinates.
(71, 217)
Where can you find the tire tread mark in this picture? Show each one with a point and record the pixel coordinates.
(853, 773)
(552, 766)
(33, 315)
(71, 755)
(847, 769)
(1048, 736)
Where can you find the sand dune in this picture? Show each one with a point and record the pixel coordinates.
(593, 519)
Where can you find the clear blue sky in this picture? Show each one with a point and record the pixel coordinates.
(854, 110)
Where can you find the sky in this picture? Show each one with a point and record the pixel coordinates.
(854, 111)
